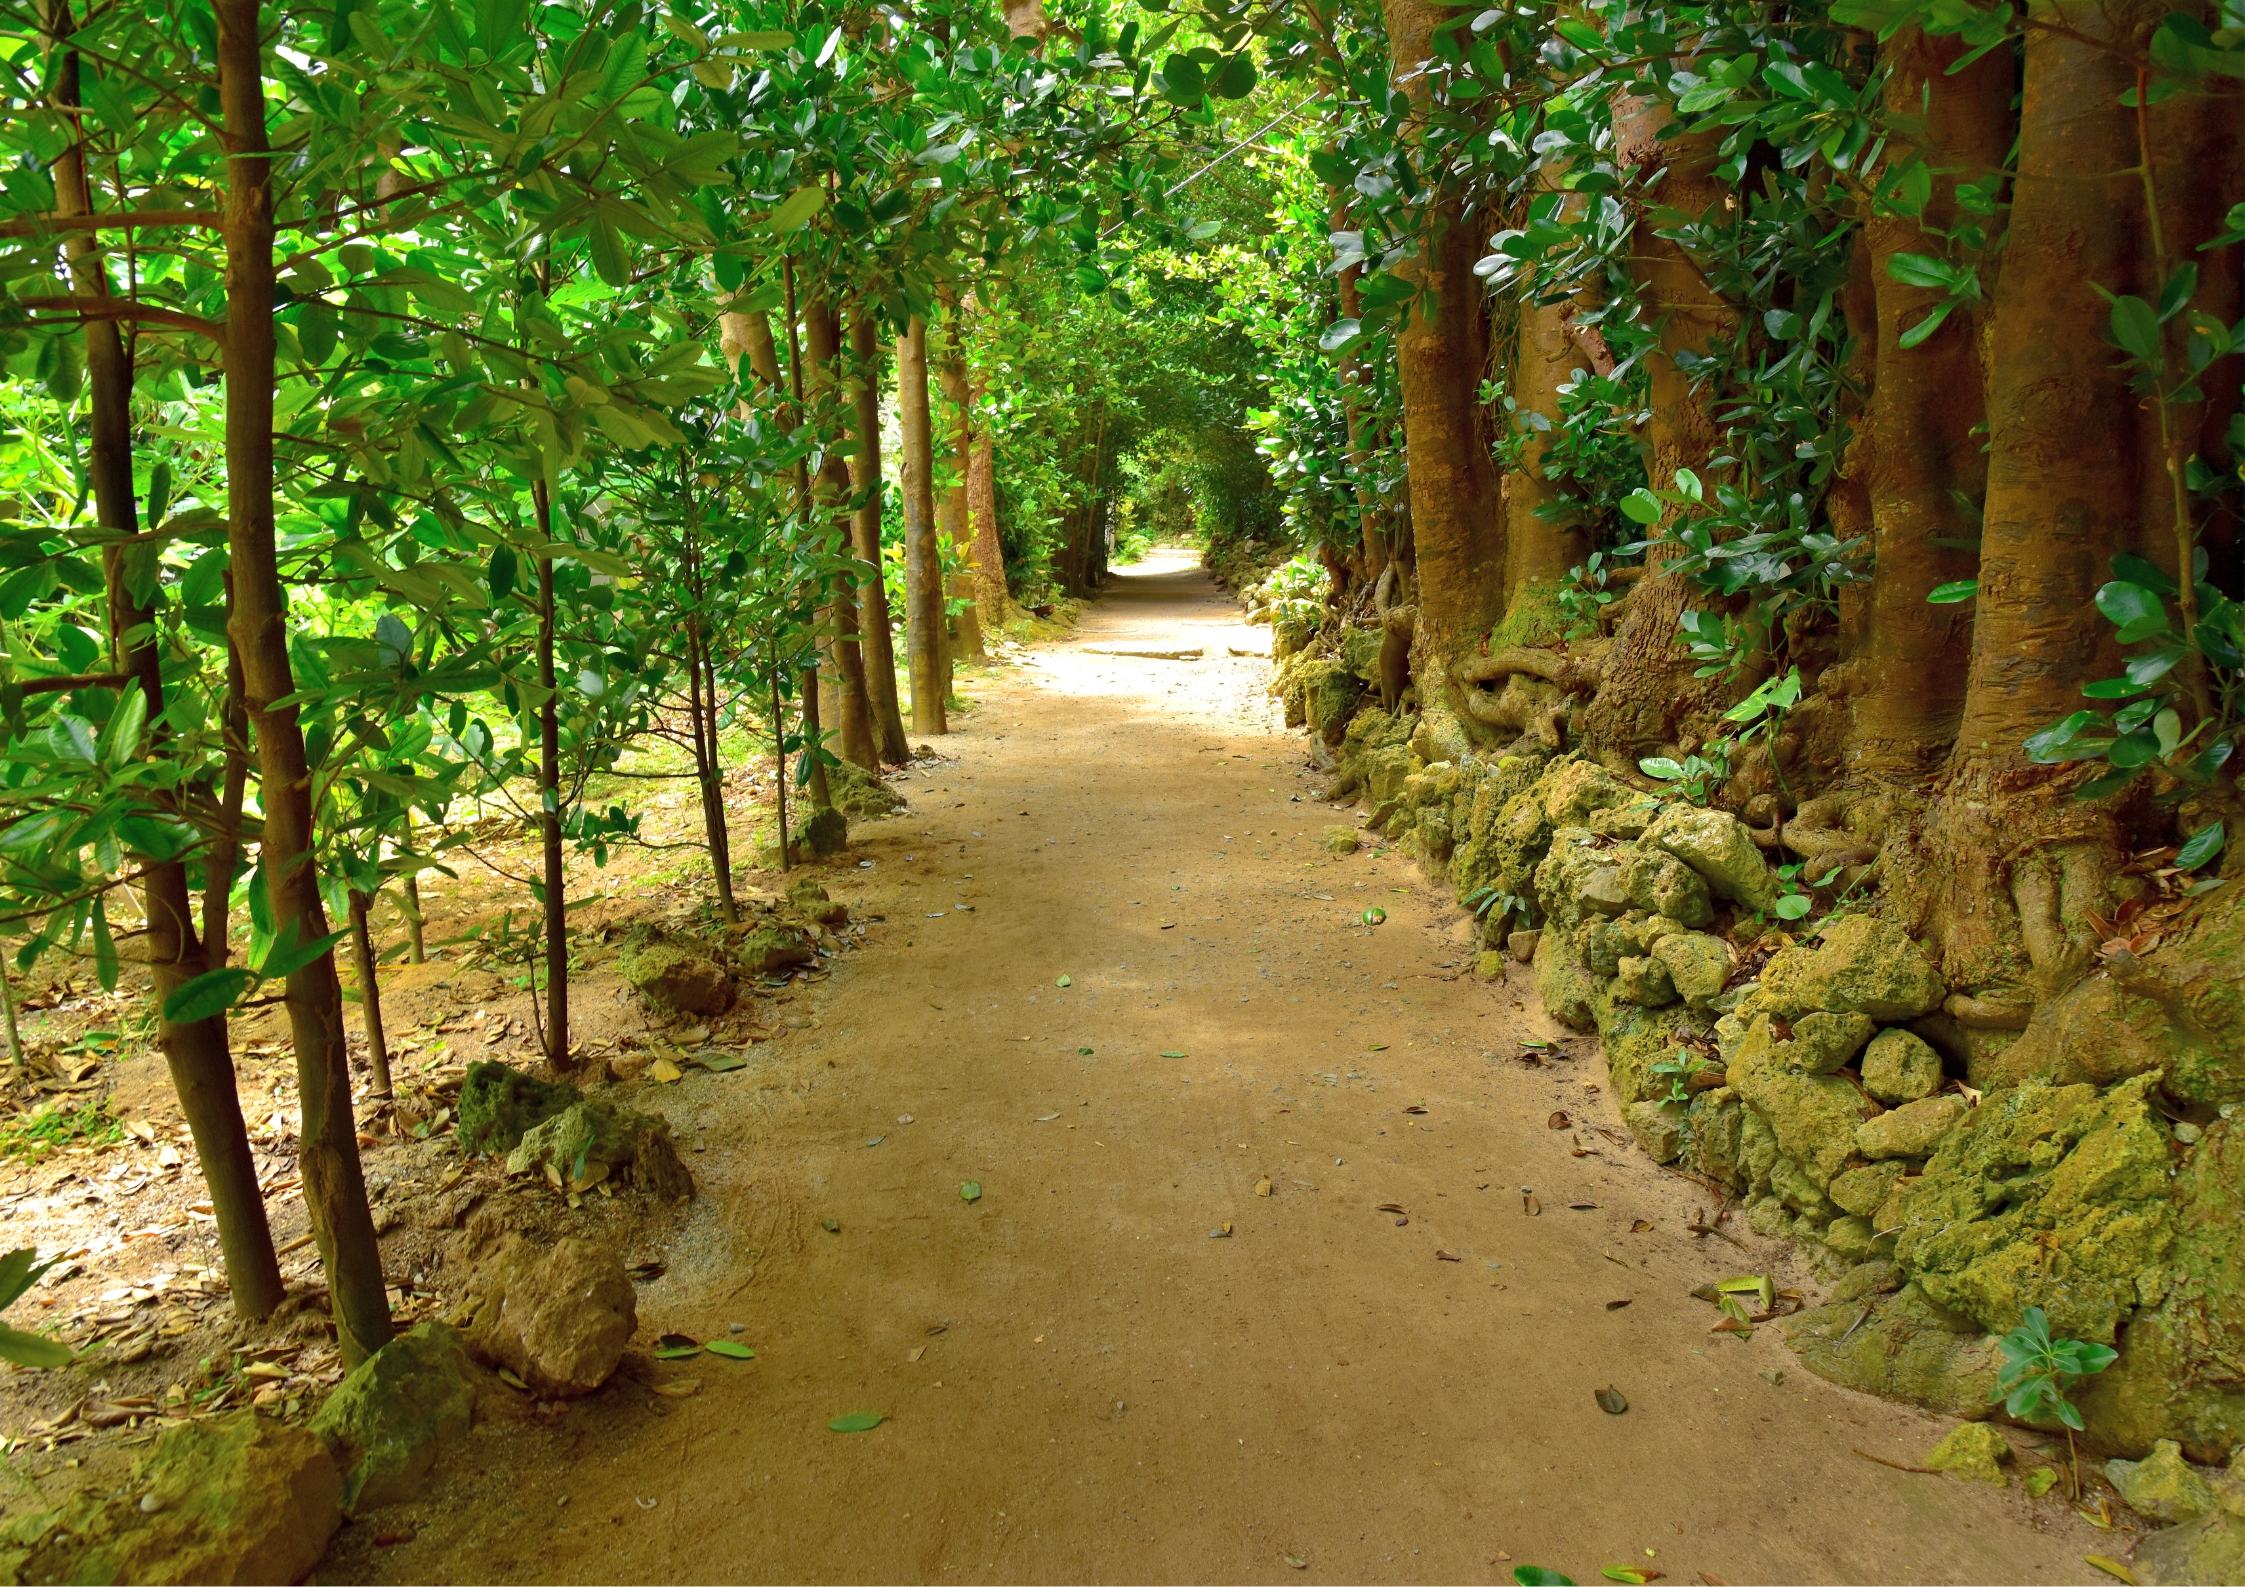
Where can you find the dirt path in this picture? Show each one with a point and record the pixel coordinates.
(1113, 1394)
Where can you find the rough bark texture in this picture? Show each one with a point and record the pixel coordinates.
(370, 996)
(334, 1186)
(2009, 868)
(923, 560)
(1373, 544)
(1647, 685)
(844, 673)
(1923, 452)
(553, 863)
(1457, 509)
(1539, 549)
(952, 514)
(197, 1054)
(865, 535)
(982, 509)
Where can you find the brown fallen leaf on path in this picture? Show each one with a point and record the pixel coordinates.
(1444, 1256)
(682, 1389)
(1557, 1121)
(1530, 1205)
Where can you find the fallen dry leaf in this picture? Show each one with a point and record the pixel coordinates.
(1557, 1121)
(1530, 1205)
(679, 1390)
(1263, 1186)
(1444, 1256)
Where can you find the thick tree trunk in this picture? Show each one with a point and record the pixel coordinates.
(1442, 351)
(2010, 868)
(844, 674)
(865, 532)
(370, 996)
(1647, 687)
(549, 808)
(334, 1186)
(982, 509)
(1924, 452)
(923, 560)
(952, 514)
(197, 1053)
(1540, 548)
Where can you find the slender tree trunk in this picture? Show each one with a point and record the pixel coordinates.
(952, 512)
(982, 509)
(15, 1061)
(334, 1186)
(923, 560)
(556, 872)
(1374, 545)
(865, 533)
(197, 1054)
(844, 677)
(1922, 425)
(1647, 688)
(415, 932)
(702, 718)
(225, 855)
(370, 995)
(1457, 508)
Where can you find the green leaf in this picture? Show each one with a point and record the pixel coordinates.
(677, 1347)
(1921, 270)
(798, 209)
(2132, 609)
(1340, 336)
(1236, 80)
(1064, 981)
(1539, 1576)
(611, 254)
(31, 1350)
(19, 1270)
(286, 956)
(1927, 326)
(1641, 506)
(1792, 906)
(1662, 767)
(2135, 328)
(213, 992)
(501, 572)
(730, 1350)
(2200, 846)
(1952, 594)
(1580, 34)
(971, 1190)
(857, 1422)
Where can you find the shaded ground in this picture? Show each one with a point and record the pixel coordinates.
(1079, 1381)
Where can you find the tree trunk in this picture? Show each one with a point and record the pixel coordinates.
(1540, 549)
(197, 1053)
(844, 674)
(701, 713)
(982, 510)
(923, 559)
(1647, 688)
(370, 996)
(2013, 868)
(1442, 350)
(416, 951)
(874, 621)
(1374, 543)
(225, 855)
(966, 628)
(334, 1186)
(556, 872)
(1921, 425)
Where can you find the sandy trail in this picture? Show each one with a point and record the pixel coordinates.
(1114, 1394)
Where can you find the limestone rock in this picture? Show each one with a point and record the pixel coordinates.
(402, 1408)
(1906, 1349)
(1717, 845)
(1717, 1118)
(813, 902)
(1899, 1067)
(1604, 891)
(1697, 964)
(556, 1316)
(1522, 945)
(1330, 693)
(824, 831)
(1644, 982)
(2163, 1486)
(1571, 790)
(1814, 1117)
(1866, 1279)
(2208, 1552)
(239, 1498)
(1849, 1238)
(1661, 884)
(772, 949)
(1342, 840)
(1912, 1130)
(2050, 1196)
(499, 1105)
(1864, 1190)
(678, 977)
(1658, 1127)
(860, 795)
(1823, 1043)
(596, 1140)
(1862, 966)
(1975, 1451)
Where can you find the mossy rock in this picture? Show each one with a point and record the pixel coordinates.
(1906, 1349)
(1861, 965)
(1564, 984)
(1330, 693)
(499, 1105)
(1975, 1452)
(399, 1411)
(1814, 1117)
(860, 795)
(769, 950)
(680, 976)
(2050, 1196)
(824, 831)
(597, 1140)
(1360, 653)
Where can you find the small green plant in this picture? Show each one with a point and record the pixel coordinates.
(1488, 899)
(1583, 598)
(1697, 775)
(19, 1270)
(1678, 1069)
(2037, 1371)
(37, 1134)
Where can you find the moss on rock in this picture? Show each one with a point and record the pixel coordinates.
(499, 1105)
(1904, 1348)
